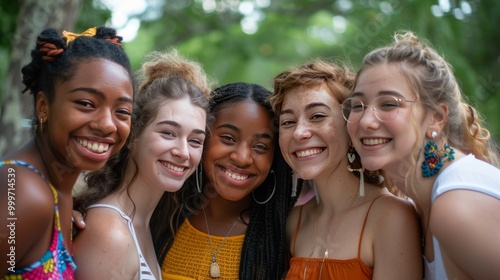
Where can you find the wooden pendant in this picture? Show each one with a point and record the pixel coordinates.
(215, 270)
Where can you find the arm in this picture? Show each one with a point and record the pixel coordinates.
(105, 250)
(25, 233)
(467, 226)
(396, 241)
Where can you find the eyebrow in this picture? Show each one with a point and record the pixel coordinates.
(178, 125)
(383, 92)
(236, 129)
(100, 94)
(308, 107)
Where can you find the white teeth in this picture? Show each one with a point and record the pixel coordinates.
(94, 146)
(236, 176)
(308, 153)
(173, 167)
(375, 141)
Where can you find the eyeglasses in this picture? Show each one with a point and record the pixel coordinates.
(384, 107)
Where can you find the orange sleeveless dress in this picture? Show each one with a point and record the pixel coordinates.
(319, 268)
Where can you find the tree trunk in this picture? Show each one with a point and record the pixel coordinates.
(16, 110)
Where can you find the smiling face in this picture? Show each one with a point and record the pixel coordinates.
(313, 138)
(240, 150)
(100, 91)
(386, 145)
(169, 150)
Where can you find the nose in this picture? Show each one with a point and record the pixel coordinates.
(242, 155)
(105, 123)
(302, 131)
(369, 118)
(182, 150)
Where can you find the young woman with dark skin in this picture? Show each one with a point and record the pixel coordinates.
(83, 92)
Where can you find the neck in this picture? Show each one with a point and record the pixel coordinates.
(222, 210)
(136, 196)
(62, 176)
(337, 188)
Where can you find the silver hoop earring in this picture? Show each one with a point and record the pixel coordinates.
(198, 178)
(271, 196)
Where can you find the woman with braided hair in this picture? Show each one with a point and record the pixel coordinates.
(408, 117)
(83, 91)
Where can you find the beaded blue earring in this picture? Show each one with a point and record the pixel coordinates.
(434, 157)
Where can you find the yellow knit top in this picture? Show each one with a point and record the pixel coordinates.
(190, 255)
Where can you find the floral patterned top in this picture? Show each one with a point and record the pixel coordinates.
(57, 262)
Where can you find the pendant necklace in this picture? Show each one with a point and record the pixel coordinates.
(214, 267)
(337, 227)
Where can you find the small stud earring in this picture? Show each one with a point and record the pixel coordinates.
(41, 125)
(434, 134)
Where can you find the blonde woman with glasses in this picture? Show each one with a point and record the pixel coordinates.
(427, 139)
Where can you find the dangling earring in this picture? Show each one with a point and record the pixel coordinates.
(351, 156)
(41, 125)
(434, 157)
(199, 178)
(271, 196)
(295, 182)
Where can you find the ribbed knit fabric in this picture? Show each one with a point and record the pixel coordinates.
(190, 255)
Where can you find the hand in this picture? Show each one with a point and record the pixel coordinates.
(77, 219)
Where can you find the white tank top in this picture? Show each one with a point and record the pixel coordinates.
(145, 272)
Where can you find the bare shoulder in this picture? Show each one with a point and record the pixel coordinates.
(396, 214)
(391, 207)
(27, 204)
(454, 209)
(395, 234)
(466, 224)
(105, 227)
(105, 249)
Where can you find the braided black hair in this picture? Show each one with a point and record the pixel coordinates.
(53, 60)
(264, 254)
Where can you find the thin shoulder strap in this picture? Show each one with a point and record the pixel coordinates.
(102, 205)
(143, 265)
(364, 223)
(25, 164)
(297, 230)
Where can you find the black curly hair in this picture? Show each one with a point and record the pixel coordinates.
(54, 60)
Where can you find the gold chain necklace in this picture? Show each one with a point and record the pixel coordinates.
(214, 267)
(325, 256)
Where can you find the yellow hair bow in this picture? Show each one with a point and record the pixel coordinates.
(69, 36)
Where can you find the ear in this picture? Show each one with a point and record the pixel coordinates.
(42, 106)
(438, 120)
